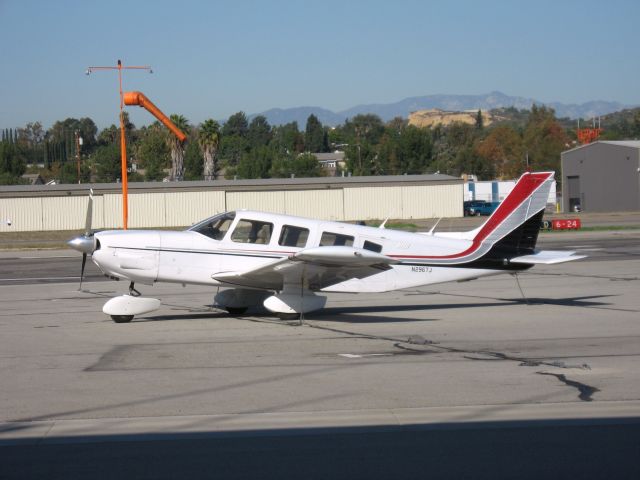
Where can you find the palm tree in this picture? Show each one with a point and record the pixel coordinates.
(209, 139)
(177, 147)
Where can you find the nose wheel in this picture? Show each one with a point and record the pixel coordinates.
(122, 318)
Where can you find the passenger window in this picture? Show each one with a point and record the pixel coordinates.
(252, 231)
(374, 247)
(329, 239)
(291, 236)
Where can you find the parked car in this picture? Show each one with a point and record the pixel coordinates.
(479, 207)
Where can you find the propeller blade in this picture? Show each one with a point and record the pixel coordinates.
(84, 261)
(88, 221)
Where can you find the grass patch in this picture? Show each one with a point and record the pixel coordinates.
(46, 240)
(409, 227)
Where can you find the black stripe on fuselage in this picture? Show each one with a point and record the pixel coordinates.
(521, 241)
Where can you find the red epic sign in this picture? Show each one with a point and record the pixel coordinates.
(566, 224)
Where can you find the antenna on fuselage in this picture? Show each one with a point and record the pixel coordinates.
(382, 225)
(434, 227)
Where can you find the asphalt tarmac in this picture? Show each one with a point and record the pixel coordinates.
(464, 380)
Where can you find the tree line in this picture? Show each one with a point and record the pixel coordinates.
(242, 148)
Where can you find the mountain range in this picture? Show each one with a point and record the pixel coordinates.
(402, 108)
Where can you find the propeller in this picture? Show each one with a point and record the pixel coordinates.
(85, 243)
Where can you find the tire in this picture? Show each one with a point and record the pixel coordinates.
(122, 318)
(478, 214)
(237, 310)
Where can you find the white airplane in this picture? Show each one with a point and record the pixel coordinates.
(285, 263)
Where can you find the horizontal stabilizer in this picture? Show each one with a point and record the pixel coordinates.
(547, 257)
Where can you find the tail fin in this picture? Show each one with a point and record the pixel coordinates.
(509, 236)
(514, 225)
(512, 229)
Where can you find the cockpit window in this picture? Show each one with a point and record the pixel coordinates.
(215, 227)
(252, 231)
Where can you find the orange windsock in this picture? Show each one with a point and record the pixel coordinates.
(138, 98)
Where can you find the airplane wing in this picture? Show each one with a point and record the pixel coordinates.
(547, 257)
(316, 268)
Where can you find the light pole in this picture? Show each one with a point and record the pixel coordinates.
(123, 146)
(78, 139)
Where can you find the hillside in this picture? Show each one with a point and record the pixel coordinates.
(429, 118)
(450, 103)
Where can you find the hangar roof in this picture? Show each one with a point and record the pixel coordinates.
(624, 143)
(233, 185)
(619, 143)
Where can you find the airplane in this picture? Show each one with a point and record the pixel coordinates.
(286, 263)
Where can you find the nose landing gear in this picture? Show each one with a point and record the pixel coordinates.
(132, 291)
(122, 309)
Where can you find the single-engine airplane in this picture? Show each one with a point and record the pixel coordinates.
(285, 263)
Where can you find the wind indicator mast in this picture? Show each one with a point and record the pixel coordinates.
(123, 146)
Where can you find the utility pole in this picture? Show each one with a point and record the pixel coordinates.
(78, 139)
(123, 147)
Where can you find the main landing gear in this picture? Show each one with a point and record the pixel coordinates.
(289, 304)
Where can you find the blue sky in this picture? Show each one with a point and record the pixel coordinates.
(213, 58)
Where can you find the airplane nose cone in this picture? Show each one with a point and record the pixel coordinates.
(82, 243)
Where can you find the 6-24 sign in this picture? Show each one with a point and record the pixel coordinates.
(566, 224)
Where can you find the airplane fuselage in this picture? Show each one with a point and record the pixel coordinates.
(282, 262)
(191, 257)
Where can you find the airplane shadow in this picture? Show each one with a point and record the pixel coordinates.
(357, 314)
(183, 316)
(350, 314)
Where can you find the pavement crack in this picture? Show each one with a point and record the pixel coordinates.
(586, 391)
(468, 354)
(411, 351)
(524, 361)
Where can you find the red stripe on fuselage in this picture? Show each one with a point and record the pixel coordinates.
(522, 190)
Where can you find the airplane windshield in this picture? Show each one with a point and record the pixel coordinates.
(215, 227)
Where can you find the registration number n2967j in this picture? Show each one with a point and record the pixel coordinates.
(421, 269)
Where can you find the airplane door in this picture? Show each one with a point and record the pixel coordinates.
(384, 280)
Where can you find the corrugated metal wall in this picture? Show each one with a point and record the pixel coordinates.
(188, 208)
(320, 204)
(24, 213)
(408, 202)
(434, 202)
(175, 209)
(263, 201)
(370, 203)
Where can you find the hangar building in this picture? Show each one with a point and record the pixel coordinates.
(176, 204)
(602, 176)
